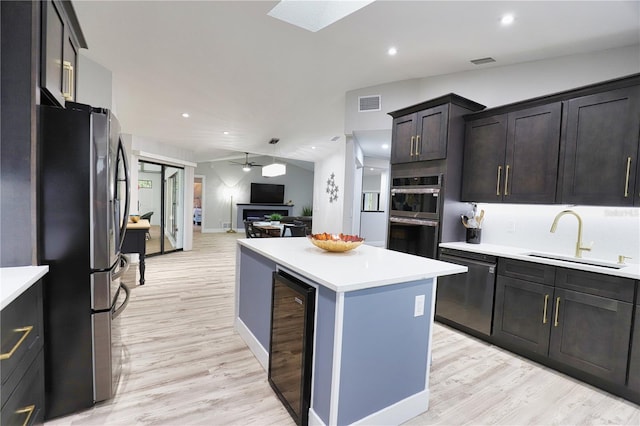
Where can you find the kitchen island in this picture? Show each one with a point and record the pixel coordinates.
(373, 324)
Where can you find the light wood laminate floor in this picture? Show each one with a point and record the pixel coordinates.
(185, 365)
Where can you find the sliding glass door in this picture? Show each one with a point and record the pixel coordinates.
(161, 200)
(174, 207)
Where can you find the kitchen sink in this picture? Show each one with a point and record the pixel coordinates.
(600, 263)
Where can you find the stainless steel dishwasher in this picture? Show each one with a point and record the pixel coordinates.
(466, 299)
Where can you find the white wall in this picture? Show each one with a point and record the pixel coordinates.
(613, 230)
(225, 179)
(371, 183)
(354, 161)
(395, 95)
(187, 219)
(494, 86)
(373, 225)
(94, 84)
(373, 228)
(173, 155)
(328, 217)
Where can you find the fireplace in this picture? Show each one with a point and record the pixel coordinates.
(259, 211)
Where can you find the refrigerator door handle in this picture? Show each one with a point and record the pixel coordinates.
(123, 224)
(124, 266)
(121, 308)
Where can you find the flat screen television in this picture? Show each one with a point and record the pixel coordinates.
(267, 193)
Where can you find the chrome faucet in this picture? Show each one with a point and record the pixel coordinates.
(579, 247)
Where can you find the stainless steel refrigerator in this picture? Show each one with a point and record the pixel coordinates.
(83, 182)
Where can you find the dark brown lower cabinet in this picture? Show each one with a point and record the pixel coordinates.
(634, 360)
(586, 330)
(519, 318)
(591, 333)
(22, 362)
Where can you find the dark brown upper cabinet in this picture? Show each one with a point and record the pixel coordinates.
(421, 132)
(484, 150)
(575, 147)
(600, 143)
(61, 40)
(420, 136)
(513, 157)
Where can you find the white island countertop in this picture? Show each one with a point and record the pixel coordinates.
(630, 270)
(361, 268)
(14, 281)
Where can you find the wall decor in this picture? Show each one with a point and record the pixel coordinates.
(144, 183)
(332, 188)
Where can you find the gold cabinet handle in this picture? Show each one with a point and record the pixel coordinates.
(506, 181)
(413, 138)
(26, 331)
(417, 145)
(498, 180)
(544, 313)
(28, 410)
(626, 182)
(555, 323)
(68, 94)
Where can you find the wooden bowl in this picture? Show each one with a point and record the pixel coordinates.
(336, 243)
(134, 218)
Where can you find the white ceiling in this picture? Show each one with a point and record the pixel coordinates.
(234, 68)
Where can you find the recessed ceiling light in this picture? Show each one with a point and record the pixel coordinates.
(313, 147)
(392, 51)
(185, 114)
(371, 168)
(225, 133)
(507, 19)
(385, 146)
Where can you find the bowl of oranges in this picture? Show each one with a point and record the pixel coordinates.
(335, 242)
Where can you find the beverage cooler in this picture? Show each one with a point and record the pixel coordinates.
(291, 347)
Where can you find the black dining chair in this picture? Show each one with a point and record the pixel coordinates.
(250, 231)
(294, 230)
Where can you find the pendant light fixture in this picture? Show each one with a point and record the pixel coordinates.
(275, 169)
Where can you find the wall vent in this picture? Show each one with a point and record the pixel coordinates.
(481, 61)
(369, 103)
(226, 225)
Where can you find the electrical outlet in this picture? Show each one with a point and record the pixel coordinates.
(418, 309)
(511, 227)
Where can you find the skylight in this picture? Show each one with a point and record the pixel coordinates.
(315, 15)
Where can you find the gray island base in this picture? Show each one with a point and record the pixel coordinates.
(373, 324)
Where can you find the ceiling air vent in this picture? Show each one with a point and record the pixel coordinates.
(481, 61)
(369, 103)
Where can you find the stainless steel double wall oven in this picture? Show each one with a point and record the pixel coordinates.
(415, 206)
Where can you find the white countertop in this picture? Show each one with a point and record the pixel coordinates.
(14, 281)
(631, 270)
(363, 267)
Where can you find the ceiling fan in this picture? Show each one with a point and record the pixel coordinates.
(247, 165)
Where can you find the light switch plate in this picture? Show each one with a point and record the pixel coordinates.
(418, 309)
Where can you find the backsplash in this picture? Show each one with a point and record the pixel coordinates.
(613, 230)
